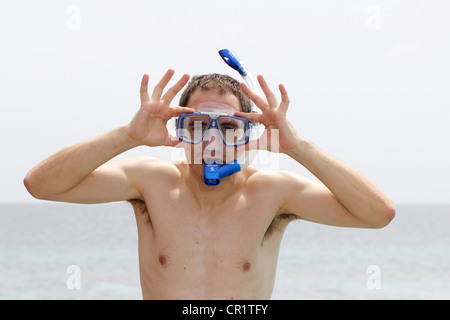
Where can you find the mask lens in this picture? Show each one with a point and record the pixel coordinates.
(192, 127)
(234, 130)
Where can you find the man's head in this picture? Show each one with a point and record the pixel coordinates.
(202, 93)
(218, 84)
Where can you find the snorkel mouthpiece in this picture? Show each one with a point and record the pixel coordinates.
(213, 173)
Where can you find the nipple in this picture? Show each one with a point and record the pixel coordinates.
(246, 266)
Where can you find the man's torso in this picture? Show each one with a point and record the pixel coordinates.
(226, 251)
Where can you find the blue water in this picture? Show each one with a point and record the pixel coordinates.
(38, 242)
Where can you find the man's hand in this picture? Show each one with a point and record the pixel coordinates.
(273, 117)
(80, 173)
(148, 126)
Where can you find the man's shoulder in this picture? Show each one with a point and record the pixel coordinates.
(280, 179)
(281, 184)
(145, 166)
(277, 176)
(145, 161)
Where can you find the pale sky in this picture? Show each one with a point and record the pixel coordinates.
(369, 81)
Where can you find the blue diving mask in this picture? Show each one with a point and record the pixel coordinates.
(193, 127)
(215, 118)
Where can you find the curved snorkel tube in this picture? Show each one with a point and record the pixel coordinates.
(233, 61)
(213, 173)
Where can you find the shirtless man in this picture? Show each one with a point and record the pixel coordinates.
(209, 242)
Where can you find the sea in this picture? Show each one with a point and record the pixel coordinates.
(72, 252)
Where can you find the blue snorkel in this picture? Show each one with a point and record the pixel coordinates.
(213, 173)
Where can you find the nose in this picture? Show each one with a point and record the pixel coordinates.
(213, 145)
(212, 136)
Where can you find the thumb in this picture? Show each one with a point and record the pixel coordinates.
(171, 141)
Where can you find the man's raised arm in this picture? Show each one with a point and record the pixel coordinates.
(346, 198)
(79, 173)
(57, 177)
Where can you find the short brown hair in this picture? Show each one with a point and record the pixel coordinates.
(219, 82)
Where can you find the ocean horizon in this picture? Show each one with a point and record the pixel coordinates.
(68, 251)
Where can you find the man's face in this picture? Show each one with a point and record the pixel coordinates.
(211, 148)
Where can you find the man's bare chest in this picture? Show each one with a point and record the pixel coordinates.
(241, 220)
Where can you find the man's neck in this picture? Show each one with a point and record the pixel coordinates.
(210, 197)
